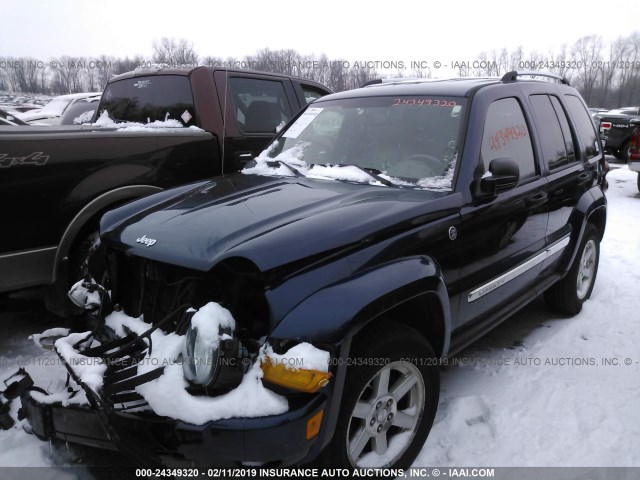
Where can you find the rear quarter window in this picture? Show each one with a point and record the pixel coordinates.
(555, 135)
(585, 129)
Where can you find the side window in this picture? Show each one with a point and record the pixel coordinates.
(552, 140)
(585, 128)
(260, 105)
(506, 135)
(311, 93)
(566, 130)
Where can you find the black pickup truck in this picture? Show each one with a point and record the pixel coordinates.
(56, 181)
(298, 310)
(616, 127)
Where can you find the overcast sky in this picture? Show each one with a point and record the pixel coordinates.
(446, 30)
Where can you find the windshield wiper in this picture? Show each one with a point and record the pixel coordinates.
(373, 173)
(295, 171)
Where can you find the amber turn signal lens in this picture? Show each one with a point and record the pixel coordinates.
(302, 380)
(313, 425)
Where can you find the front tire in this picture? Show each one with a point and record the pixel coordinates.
(568, 295)
(389, 401)
(87, 259)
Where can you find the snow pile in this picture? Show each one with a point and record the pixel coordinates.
(167, 395)
(83, 118)
(62, 396)
(209, 321)
(156, 126)
(442, 182)
(90, 370)
(51, 332)
(119, 322)
(294, 157)
(348, 173)
(304, 355)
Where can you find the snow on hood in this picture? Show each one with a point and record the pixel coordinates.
(294, 157)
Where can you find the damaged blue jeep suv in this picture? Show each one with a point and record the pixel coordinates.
(298, 310)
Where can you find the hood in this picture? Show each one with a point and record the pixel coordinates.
(270, 221)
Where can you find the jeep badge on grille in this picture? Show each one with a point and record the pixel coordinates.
(146, 240)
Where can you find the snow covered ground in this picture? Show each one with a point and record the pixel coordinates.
(570, 410)
(534, 392)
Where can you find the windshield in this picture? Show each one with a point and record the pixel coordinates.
(56, 106)
(149, 99)
(403, 141)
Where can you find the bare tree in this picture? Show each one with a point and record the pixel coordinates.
(608, 69)
(422, 73)
(561, 62)
(105, 70)
(628, 74)
(176, 52)
(588, 52)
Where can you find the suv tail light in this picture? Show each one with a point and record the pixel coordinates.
(605, 125)
(634, 144)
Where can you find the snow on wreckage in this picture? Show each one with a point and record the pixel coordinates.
(166, 394)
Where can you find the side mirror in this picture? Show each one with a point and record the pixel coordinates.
(503, 174)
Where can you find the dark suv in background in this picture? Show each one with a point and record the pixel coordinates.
(384, 229)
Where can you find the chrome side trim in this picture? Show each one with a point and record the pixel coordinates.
(517, 271)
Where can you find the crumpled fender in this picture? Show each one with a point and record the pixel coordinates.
(340, 310)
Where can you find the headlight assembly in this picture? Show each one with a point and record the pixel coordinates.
(214, 361)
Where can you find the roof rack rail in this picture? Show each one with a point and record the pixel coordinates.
(390, 80)
(513, 76)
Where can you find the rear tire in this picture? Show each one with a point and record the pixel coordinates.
(568, 295)
(639, 181)
(624, 152)
(389, 400)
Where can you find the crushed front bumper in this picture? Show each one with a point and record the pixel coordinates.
(117, 419)
(153, 440)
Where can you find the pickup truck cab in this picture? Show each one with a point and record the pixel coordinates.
(56, 181)
(298, 310)
(616, 127)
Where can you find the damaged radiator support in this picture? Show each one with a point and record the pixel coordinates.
(122, 357)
